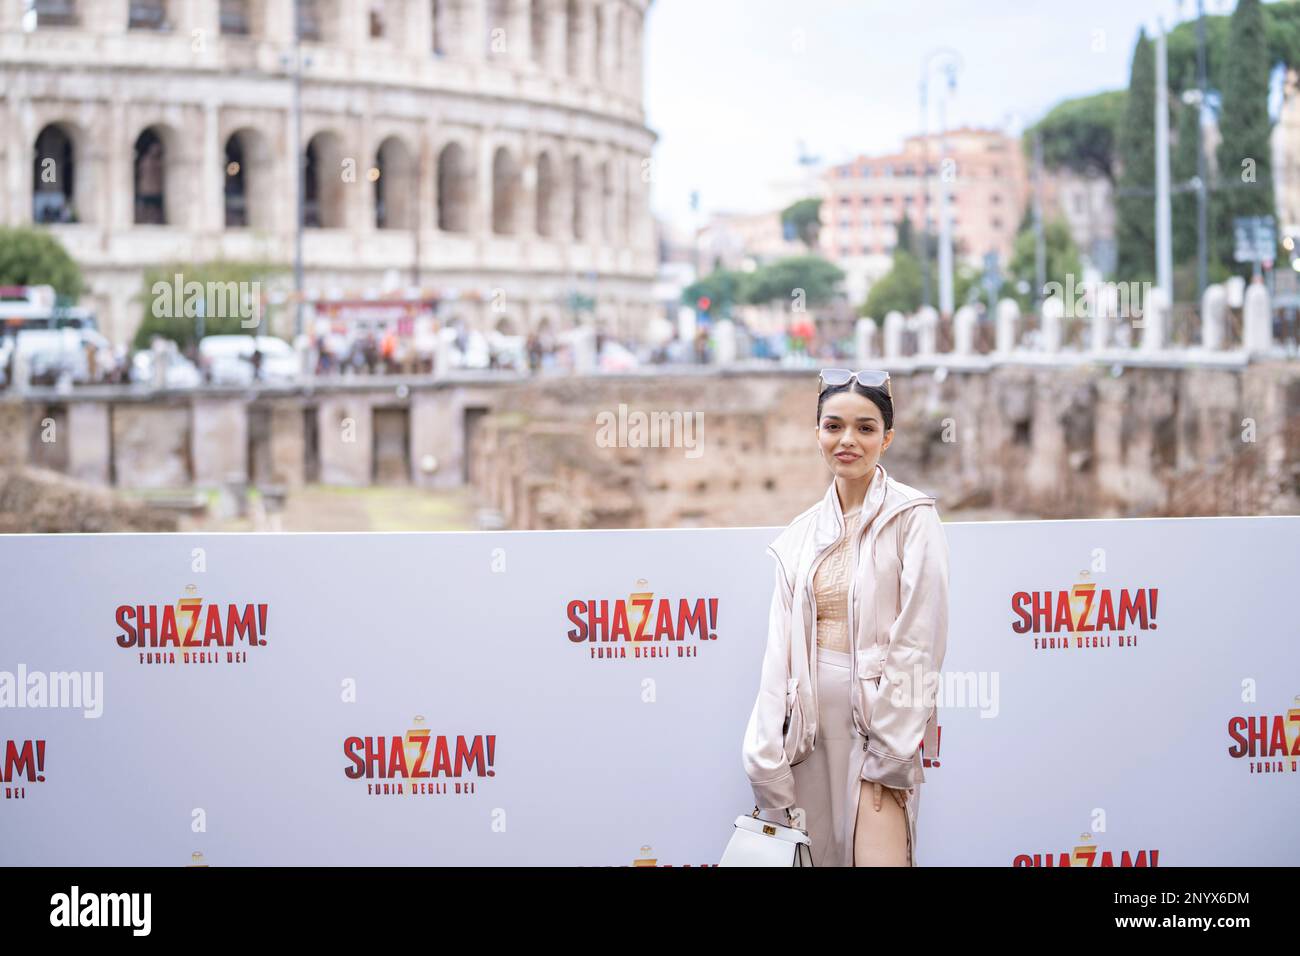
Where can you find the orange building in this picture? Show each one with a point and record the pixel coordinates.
(987, 182)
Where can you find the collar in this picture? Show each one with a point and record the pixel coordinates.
(830, 516)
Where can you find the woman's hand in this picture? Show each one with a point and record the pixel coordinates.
(900, 796)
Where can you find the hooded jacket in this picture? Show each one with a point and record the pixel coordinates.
(898, 603)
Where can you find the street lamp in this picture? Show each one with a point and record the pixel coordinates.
(953, 64)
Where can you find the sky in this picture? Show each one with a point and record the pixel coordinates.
(733, 86)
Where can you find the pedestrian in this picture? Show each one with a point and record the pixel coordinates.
(857, 632)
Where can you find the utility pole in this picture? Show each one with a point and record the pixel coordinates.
(1202, 174)
(1040, 240)
(945, 223)
(1164, 245)
(925, 189)
(954, 63)
(300, 175)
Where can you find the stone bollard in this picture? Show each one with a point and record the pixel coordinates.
(864, 340)
(894, 324)
(1008, 321)
(1053, 312)
(927, 327)
(724, 342)
(1256, 319)
(1214, 311)
(1105, 308)
(963, 330)
(1155, 321)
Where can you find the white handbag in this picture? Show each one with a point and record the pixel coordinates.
(758, 842)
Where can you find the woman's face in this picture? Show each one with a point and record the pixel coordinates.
(852, 435)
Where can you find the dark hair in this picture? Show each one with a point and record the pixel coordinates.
(878, 396)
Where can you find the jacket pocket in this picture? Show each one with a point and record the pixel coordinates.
(794, 721)
(866, 689)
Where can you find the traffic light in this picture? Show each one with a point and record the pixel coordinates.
(703, 303)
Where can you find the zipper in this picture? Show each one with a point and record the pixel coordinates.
(876, 525)
(812, 653)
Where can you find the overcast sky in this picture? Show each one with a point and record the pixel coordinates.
(732, 86)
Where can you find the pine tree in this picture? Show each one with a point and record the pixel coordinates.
(1135, 202)
(1244, 185)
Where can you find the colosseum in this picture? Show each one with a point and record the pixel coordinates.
(493, 150)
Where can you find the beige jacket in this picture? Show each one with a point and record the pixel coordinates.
(898, 599)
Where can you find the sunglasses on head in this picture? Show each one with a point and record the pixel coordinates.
(869, 378)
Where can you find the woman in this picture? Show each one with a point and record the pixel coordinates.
(862, 578)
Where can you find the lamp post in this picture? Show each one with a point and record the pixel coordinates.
(951, 67)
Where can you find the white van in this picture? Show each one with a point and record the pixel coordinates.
(228, 359)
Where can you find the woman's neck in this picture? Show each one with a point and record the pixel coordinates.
(853, 492)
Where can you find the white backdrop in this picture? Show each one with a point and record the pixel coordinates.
(1091, 752)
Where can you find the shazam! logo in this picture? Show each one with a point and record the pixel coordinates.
(1271, 742)
(1085, 616)
(641, 627)
(192, 631)
(417, 763)
(1088, 853)
(24, 763)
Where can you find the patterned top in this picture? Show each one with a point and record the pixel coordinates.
(831, 588)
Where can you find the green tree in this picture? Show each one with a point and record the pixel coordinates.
(1245, 167)
(35, 257)
(803, 217)
(174, 317)
(898, 289)
(1062, 260)
(722, 287)
(1080, 134)
(1135, 199)
(780, 280)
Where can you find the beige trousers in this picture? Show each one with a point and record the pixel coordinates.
(842, 822)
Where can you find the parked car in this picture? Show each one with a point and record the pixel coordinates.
(228, 359)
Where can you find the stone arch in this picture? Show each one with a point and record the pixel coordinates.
(146, 15)
(324, 205)
(505, 192)
(56, 174)
(242, 18)
(395, 185)
(318, 20)
(249, 180)
(454, 189)
(156, 176)
(547, 189)
(65, 14)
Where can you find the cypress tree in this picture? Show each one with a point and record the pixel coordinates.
(1245, 166)
(1135, 200)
